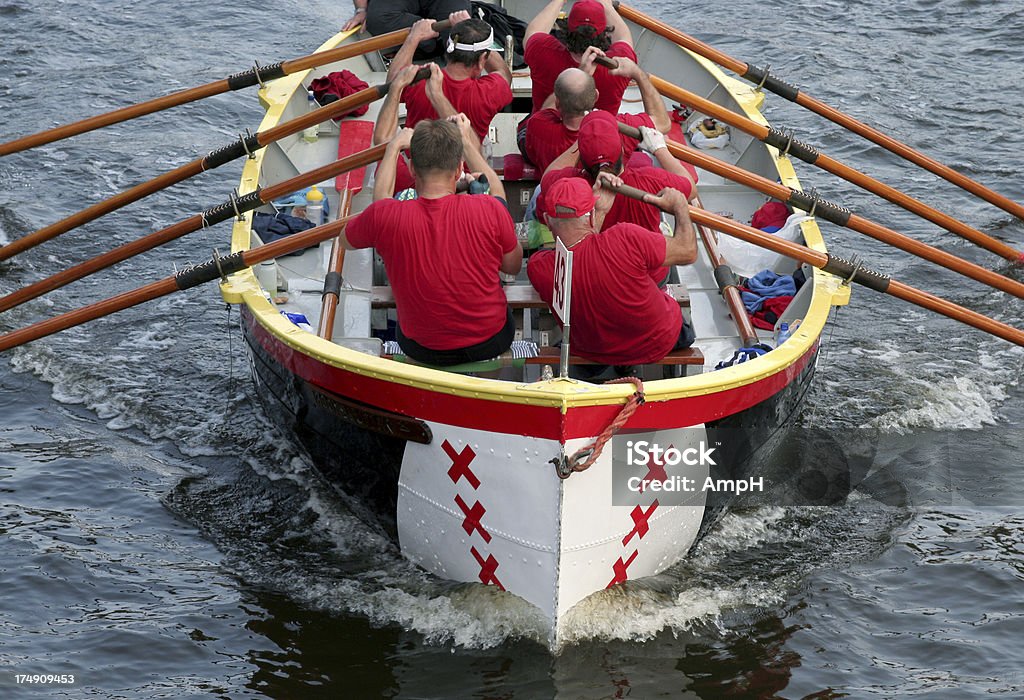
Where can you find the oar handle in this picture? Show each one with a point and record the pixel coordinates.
(374, 43)
(843, 268)
(609, 63)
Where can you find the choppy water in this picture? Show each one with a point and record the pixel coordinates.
(157, 541)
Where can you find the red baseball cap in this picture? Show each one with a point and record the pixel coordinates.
(599, 140)
(569, 198)
(589, 12)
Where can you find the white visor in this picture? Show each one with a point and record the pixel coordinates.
(485, 45)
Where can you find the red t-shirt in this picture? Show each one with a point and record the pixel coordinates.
(547, 57)
(626, 209)
(547, 136)
(619, 316)
(478, 98)
(442, 257)
(633, 211)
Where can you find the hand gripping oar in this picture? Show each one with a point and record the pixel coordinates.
(243, 146)
(254, 76)
(790, 146)
(838, 215)
(221, 212)
(763, 77)
(850, 271)
(213, 269)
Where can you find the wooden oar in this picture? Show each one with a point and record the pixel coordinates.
(332, 280)
(837, 215)
(762, 77)
(211, 216)
(789, 145)
(355, 134)
(254, 76)
(215, 268)
(845, 269)
(214, 159)
(728, 284)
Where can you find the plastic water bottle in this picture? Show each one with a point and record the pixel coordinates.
(315, 206)
(784, 332)
(311, 133)
(266, 273)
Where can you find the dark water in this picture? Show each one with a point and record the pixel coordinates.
(157, 539)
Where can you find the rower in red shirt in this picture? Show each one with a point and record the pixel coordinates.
(551, 132)
(475, 80)
(591, 23)
(619, 316)
(442, 251)
(602, 156)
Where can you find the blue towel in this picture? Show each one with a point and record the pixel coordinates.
(765, 285)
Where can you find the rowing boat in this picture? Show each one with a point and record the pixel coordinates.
(472, 470)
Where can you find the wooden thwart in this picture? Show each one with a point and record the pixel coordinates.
(520, 296)
(549, 355)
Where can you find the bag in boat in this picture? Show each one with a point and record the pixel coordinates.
(273, 227)
(503, 24)
(336, 85)
(747, 259)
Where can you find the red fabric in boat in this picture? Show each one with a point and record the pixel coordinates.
(356, 135)
(515, 168)
(340, 84)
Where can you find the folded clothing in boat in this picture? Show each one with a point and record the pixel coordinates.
(273, 227)
(336, 85)
(766, 295)
(744, 355)
(299, 320)
(765, 285)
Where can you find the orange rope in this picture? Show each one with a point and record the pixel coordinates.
(585, 458)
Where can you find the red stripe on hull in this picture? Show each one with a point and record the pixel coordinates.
(514, 418)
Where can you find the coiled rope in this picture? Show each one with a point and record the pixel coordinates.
(584, 458)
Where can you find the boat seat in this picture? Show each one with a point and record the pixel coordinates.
(520, 296)
(550, 355)
(492, 365)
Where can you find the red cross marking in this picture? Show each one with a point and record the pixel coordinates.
(473, 516)
(656, 470)
(620, 567)
(487, 568)
(640, 518)
(460, 464)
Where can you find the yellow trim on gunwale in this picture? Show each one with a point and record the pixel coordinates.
(242, 287)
